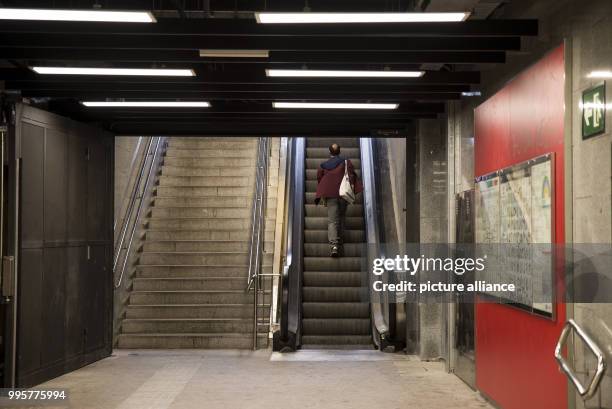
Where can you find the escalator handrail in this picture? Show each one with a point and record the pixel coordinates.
(372, 223)
(291, 308)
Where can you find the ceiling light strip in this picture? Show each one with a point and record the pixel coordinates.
(342, 18)
(77, 15)
(235, 53)
(147, 104)
(344, 73)
(115, 71)
(332, 105)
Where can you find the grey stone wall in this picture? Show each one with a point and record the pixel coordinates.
(432, 173)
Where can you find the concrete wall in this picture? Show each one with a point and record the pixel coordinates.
(587, 26)
(432, 174)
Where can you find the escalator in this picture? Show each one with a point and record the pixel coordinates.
(323, 300)
(334, 313)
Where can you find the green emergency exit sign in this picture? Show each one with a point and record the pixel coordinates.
(594, 111)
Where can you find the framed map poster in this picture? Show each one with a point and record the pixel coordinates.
(514, 221)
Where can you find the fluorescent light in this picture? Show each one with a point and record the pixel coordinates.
(322, 18)
(343, 73)
(471, 94)
(235, 53)
(600, 74)
(332, 105)
(115, 71)
(77, 15)
(147, 104)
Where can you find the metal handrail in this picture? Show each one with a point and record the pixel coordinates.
(152, 166)
(589, 391)
(128, 212)
(127, 185)
(258, 229)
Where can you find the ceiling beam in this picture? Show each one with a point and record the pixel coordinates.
(296, 43)
(83, 94)
(189, 87)
(244, 27)
(247, 77)
(276, 57)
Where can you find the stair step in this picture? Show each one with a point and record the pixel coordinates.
(241, 235)
(244, 154)
(203, 191)
(205, 143)
(206, 181)
(335, 326)
(199, 258)
(334, 294)
(199, 271)
(186, 325)
(193, 297)
(195, 311)
(209, 201)
(336, 309)
(189, 283)
(159, 212)
(210, 162)
(198, 224)
(191, 341)
(196, 245)
(191, 171)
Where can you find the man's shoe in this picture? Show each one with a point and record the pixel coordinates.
(335, 252)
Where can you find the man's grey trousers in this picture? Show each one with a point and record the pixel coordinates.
(336, 209)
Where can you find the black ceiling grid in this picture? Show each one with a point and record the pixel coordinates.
(238, 89)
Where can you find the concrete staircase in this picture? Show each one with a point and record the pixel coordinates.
(188, 287)
(334, 313)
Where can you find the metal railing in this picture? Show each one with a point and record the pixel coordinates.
(148, 166)
(589, 391)
(258, 218)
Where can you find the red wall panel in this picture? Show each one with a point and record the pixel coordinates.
(515, 366)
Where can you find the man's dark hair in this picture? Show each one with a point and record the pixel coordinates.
(334, 149)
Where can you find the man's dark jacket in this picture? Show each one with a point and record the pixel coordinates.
(329, 178)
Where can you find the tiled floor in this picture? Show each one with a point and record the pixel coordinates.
(201, 379)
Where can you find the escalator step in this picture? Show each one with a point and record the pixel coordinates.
(336, 326)
(333, 278)
(323, 249)
(333, 294)
(332, 264)
(364, 341)
(320, 236)
(313, 163)
(313, 210)
(336, 310)
(320, 223)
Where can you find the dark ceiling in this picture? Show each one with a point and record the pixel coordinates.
(240, 93)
